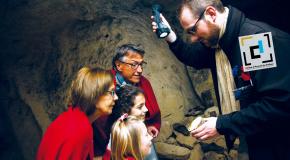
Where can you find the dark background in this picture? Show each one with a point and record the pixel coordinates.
(272, 12)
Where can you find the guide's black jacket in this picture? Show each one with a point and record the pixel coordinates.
(264, 118)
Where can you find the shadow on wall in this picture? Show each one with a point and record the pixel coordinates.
(19, 131)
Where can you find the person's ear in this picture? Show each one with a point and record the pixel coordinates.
(118, 65)
(210, 14)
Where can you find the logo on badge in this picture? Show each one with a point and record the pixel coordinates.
(257, 51)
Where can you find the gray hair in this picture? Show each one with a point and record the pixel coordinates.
(122, 51)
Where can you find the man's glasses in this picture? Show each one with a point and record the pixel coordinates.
(192, 30)
(112, 93)
(135, 65)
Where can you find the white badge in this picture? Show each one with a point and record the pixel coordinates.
(257, 51)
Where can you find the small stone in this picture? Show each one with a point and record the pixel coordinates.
(170, 151)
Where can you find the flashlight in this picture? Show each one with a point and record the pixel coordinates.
(162, 30)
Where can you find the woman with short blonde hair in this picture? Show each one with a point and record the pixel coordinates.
(70, 135)
(87, 88)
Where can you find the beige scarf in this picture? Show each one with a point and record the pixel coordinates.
(226, 83)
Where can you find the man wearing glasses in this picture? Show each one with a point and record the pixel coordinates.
(254, 104)
(128, 64)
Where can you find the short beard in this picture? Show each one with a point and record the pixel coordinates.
(214, 35)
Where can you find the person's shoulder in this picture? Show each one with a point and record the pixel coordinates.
(78, 123)
(144, 80)
(80, 134)
(253, 27)
(256, 27)
(71, 130)
(145, 83)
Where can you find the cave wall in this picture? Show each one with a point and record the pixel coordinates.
(47, 42)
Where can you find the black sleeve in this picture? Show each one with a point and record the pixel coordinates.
(195, 55)
(270, 112)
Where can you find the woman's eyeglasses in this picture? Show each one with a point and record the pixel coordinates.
(112, 93)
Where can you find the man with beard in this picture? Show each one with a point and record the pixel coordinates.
(128, 65)
(253, 104)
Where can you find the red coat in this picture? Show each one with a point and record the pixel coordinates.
(69, 136)
(102, 128)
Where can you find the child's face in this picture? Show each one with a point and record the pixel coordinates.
(146, 140)
(139, 109)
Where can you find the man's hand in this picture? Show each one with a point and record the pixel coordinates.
(207, 130)
(153, 131)
(172, 36)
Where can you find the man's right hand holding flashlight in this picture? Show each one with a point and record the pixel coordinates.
(172, 36)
